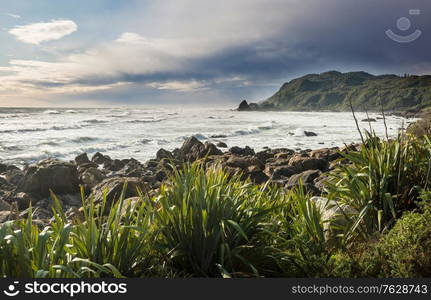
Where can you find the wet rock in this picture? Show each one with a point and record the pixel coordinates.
(246, 151)
(310, 133)
(113, 188)
(320, 182)
(23, 201)
(221, 145)
(51, 174)
(264, 155)
(3, 168)
(191, 149)
(5, 185)
(306, 177)
(326, 153)
(85, 166)
(302, 163)
(257, 177)
(245, 162)
(92, 177)
(281, 172)
(162, 153)
(73, 200)
(82, 159)
(369, 120)
(334, 215)
(113, 165)
(132, 168)
(4, 205)
(75, 215)
(100, 159)
(41, 214)
(211, 149)
(7, 216)
(14, 176)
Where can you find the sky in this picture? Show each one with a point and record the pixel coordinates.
(196, 52)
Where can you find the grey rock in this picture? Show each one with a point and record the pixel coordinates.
(82, 159)
(60, 177)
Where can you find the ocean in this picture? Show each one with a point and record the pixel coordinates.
(28, 135)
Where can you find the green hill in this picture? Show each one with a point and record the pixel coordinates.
(332, 91)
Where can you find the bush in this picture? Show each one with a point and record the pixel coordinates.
(210, 221)
(405, 250)
(381, 180)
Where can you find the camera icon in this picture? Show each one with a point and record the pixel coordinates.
(11, 290)
(404, 24)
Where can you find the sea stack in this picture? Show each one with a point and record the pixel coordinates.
(243, 106)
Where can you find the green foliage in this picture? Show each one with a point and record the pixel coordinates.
(209, 221)
(381, 180)
(405, 250)
(114, 245)
(333, 91)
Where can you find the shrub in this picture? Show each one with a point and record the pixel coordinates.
(406, 248)
(381, 180)
(209, 221)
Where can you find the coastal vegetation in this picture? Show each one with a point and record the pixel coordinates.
(371, 218)
(335, 90)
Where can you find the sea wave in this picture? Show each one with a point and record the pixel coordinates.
(84, 139)
(145, 120)
(51, 112)
(95, 121)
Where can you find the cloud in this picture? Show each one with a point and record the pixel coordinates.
(13, 15)
(243, 49)
(180, 86)
(37, 33)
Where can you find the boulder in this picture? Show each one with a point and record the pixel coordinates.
(6, 216)
(369, 120)
(82, 159)
(245, 163)
(100, 159)
(310, 133)
(50, 174)
(190, 149)
(114, 187)
(334, 215)
(14, 176)
(113, 165)
(4, 205)
(3, 168)
(211, 149)
(221, 145)
(5, 185)
(306, 177)
(162, 153)
(243, 106)
(279, 172)
(23, 200)
(246, 151)
(258, 177)
(302, 163)
(326, 153)
(91, 177)
(264, 155)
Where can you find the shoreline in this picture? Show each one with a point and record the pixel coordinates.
(31, 185)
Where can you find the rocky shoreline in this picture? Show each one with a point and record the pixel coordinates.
(20, 188)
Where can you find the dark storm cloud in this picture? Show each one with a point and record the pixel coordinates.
(273, 43)
(333, 34)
